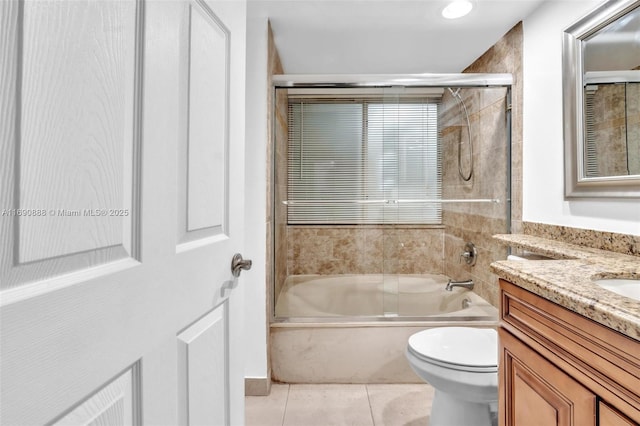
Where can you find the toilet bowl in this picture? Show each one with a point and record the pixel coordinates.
(461, 363)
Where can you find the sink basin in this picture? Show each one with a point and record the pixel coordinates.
(624, 286)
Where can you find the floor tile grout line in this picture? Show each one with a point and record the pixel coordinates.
(373, 421)
(373, 415)
(286, 403)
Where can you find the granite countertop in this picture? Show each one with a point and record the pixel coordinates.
(566, 279)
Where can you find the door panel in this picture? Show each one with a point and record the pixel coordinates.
(70, 152)
(115, 404)
(202, 371)
(204, 152)
(93, 115)
(208, 103)
(76, 127)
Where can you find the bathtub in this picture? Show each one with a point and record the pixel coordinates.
(377, 295)
(354, 328)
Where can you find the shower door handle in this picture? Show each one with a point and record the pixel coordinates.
(238, 264)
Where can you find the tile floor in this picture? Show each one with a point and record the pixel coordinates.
(341, 405)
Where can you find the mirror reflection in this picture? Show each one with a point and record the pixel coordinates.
(612, 129)
(616, 47)
(611, 84)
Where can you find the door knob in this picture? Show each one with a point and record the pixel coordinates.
(238, 264)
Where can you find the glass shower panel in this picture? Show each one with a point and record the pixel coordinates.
(475, 132)
(402, 132)
(383, 134)
(377, 191)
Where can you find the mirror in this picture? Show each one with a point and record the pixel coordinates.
(601, 85)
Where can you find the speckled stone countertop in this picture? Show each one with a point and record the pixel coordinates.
(566, 279)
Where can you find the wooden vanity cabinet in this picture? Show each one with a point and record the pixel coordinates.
(560, 368)
(538, 392)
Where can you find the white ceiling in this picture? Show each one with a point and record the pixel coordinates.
(384, 36)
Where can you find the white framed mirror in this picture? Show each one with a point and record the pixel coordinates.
(601, 102)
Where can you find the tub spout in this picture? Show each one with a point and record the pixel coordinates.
(465, 283)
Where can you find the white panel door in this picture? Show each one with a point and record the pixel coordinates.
(121, 207)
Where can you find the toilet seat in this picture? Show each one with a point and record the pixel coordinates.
(458, 348)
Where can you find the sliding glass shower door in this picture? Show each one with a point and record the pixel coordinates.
(370, 192)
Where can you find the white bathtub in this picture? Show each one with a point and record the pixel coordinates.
(377, 295)
(333, 329)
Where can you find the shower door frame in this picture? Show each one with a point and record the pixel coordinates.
(378, 81)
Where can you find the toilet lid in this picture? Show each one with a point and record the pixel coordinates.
(463, 347)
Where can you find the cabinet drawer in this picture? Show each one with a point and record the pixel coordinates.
(603, 360)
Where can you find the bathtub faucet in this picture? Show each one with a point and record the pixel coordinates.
(464, 283)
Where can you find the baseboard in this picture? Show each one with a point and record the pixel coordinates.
(257, 386)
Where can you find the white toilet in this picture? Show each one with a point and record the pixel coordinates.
(461, 363)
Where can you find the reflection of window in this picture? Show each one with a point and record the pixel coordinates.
(363, 161)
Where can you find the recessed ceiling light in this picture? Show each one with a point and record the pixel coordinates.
(457, 9)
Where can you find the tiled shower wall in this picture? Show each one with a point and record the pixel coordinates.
(616, 127)
(364, 249)
(478, 222)
(506, 57)
(475, 222)
(420, 249)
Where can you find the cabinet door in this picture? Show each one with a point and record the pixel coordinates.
(536, 393)
(608, 416)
